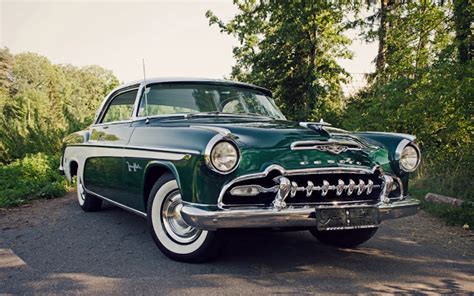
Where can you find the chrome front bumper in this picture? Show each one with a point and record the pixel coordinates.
(288, 217)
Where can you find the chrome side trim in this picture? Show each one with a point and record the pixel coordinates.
(144, 148)
(173, 150)
(127, 208)
(284, 172)
(80, 153)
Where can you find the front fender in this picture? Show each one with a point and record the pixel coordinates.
(393, 142)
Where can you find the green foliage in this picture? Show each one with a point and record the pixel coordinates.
(292, 47)
(451, 214)
(34, 176)
(424, 90)
(42, 102)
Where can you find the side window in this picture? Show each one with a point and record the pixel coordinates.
(120, 107)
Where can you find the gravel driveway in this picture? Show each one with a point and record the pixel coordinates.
(53, 247)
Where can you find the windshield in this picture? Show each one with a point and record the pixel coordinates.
(208, 99)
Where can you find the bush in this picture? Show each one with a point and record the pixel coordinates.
(34, 176)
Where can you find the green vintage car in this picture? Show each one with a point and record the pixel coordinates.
(197, 156)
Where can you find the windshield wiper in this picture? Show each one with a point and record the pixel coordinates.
(256, 115)
(218, 113)
(204, 114)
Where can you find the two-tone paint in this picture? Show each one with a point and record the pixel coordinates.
(119, 161)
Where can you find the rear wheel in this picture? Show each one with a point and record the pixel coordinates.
(348, 238)
(88, 202)
(172, 235)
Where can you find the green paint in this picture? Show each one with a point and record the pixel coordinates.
(261, 143)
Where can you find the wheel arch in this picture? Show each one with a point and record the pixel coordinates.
(153, 171)
(73, 167)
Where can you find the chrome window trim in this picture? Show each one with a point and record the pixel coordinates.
(267, 93)
(106, 103)
(284, 172)
(111, 123)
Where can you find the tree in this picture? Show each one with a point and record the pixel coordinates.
(6, 65)
(463, 18)
(45, 102)
(292, 47)
(425, 88)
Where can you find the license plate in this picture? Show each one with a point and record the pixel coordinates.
(348, 218)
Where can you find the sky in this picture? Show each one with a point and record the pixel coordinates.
(173, 37)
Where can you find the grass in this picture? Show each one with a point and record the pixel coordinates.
(452, 215)
(35, 176)
(448, 178)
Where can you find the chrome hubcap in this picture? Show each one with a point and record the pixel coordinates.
(174, 224)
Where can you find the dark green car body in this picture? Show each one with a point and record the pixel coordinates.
(120, 161)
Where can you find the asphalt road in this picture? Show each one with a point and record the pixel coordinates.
(53, 247)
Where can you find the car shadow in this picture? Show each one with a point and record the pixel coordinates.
(111, 252)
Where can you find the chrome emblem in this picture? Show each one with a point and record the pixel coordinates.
(133, 167)
(334, 149)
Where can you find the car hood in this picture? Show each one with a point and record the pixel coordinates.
(263, 142)
(280, 134)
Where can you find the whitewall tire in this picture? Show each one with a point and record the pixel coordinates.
(172, 235)
(87, 202)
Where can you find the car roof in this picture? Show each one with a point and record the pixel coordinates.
(195, 80)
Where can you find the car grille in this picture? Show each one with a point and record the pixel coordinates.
(312, 189)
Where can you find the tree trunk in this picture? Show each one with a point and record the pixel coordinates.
(421, 58)
(463, 20)
(441, 199)
(381, 54)
(311, 100)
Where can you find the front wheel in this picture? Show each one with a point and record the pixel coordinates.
(348, 238)
(172, 235)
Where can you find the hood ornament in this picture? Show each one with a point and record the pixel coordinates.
(317, 126)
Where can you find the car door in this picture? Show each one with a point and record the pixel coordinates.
(103, 170)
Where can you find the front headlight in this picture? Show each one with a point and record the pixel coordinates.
(409, 158)
(224, 157)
